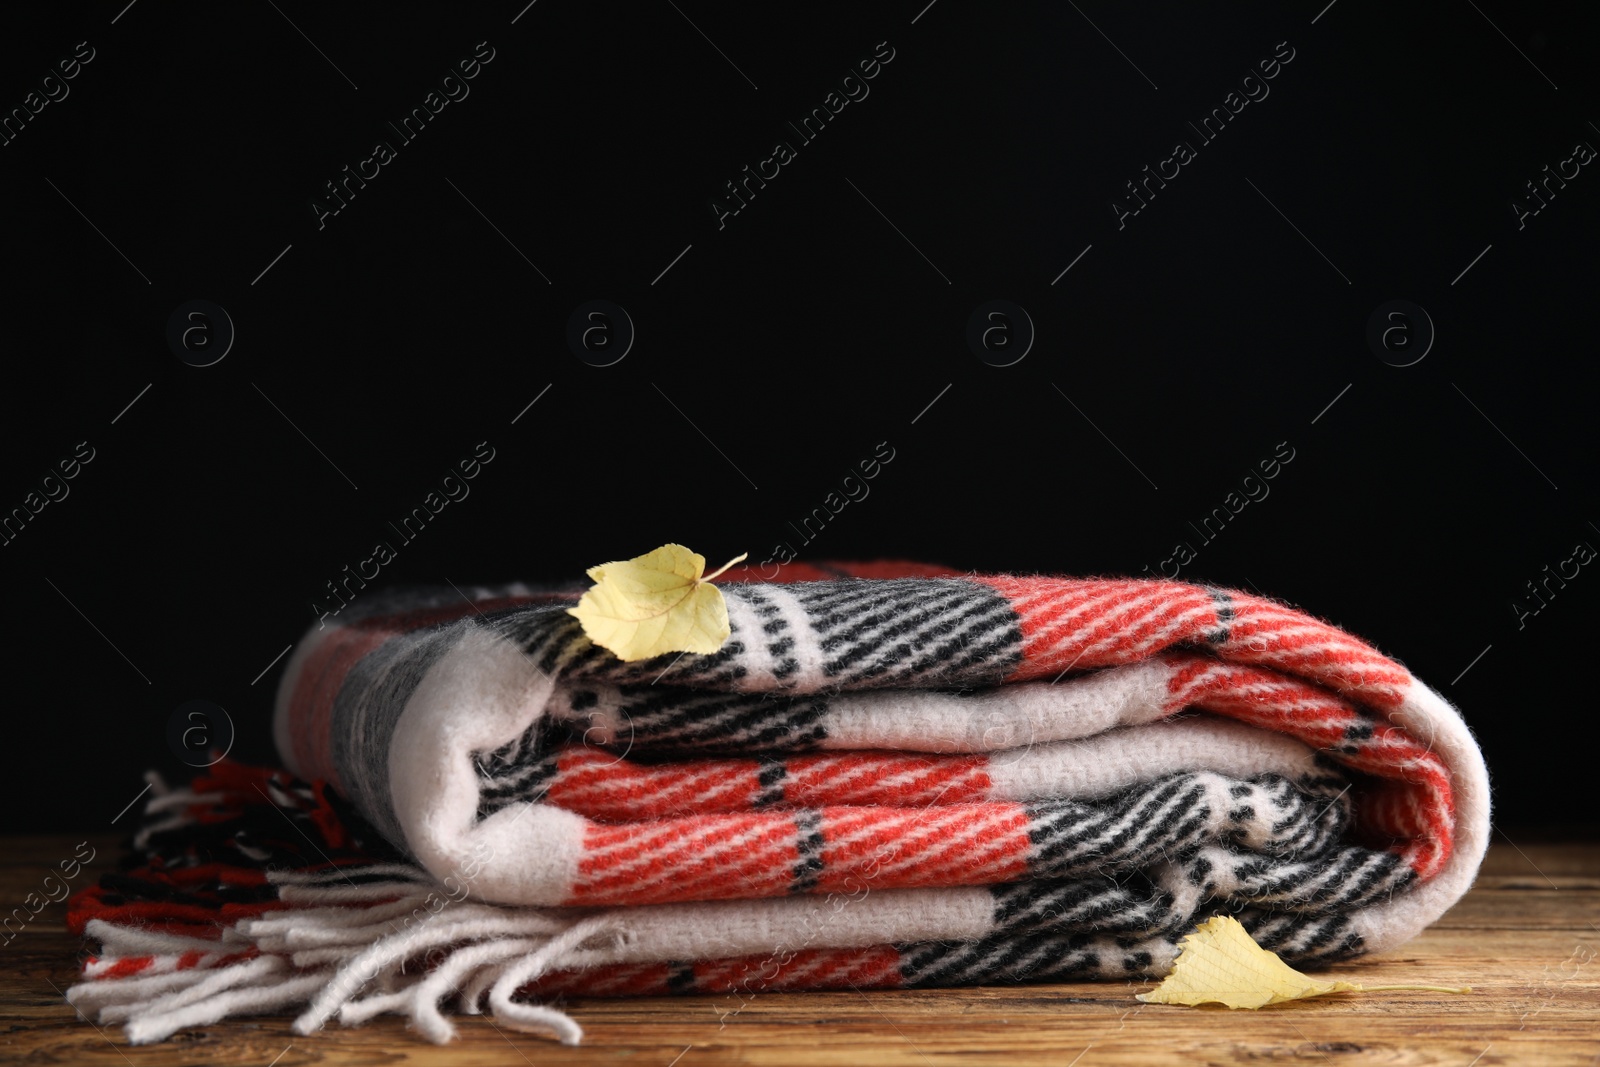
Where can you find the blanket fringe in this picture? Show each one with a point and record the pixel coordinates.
(340, 955)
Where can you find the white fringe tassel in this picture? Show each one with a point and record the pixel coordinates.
(327, 957)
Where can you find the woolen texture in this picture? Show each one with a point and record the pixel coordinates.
(890, 776)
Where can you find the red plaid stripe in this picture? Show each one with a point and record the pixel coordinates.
(597, 784)
(876, 967)
(885, 779)
(707, 857)
(960, 844)
(1416, 803)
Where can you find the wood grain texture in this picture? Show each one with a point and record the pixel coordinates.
(1526, 939)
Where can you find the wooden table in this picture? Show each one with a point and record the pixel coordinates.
(1526, 938)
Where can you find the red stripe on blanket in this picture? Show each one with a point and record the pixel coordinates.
(878, 966)
(710, 857)
(1086, 623)
(869, 778)
(1416, 804)
(594, 783)
(1268, 665)
(615, 980)
(940, 845)
(1267, 634)
(723, 857)
(875, 967)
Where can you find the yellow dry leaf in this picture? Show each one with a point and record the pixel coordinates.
(660, 602)
(1221, 964)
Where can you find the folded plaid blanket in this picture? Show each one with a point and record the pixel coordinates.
(888, 776)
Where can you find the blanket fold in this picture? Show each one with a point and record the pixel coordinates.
(876, 782)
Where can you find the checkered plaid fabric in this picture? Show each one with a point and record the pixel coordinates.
(886, 777)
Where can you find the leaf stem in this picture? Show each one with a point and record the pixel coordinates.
(1426, 988)
(740, 558)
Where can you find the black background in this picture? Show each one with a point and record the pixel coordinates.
(381, 348)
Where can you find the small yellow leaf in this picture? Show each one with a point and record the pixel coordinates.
(1221, 964)
(660, 602)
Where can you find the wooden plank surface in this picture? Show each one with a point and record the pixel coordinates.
(1526, 939)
